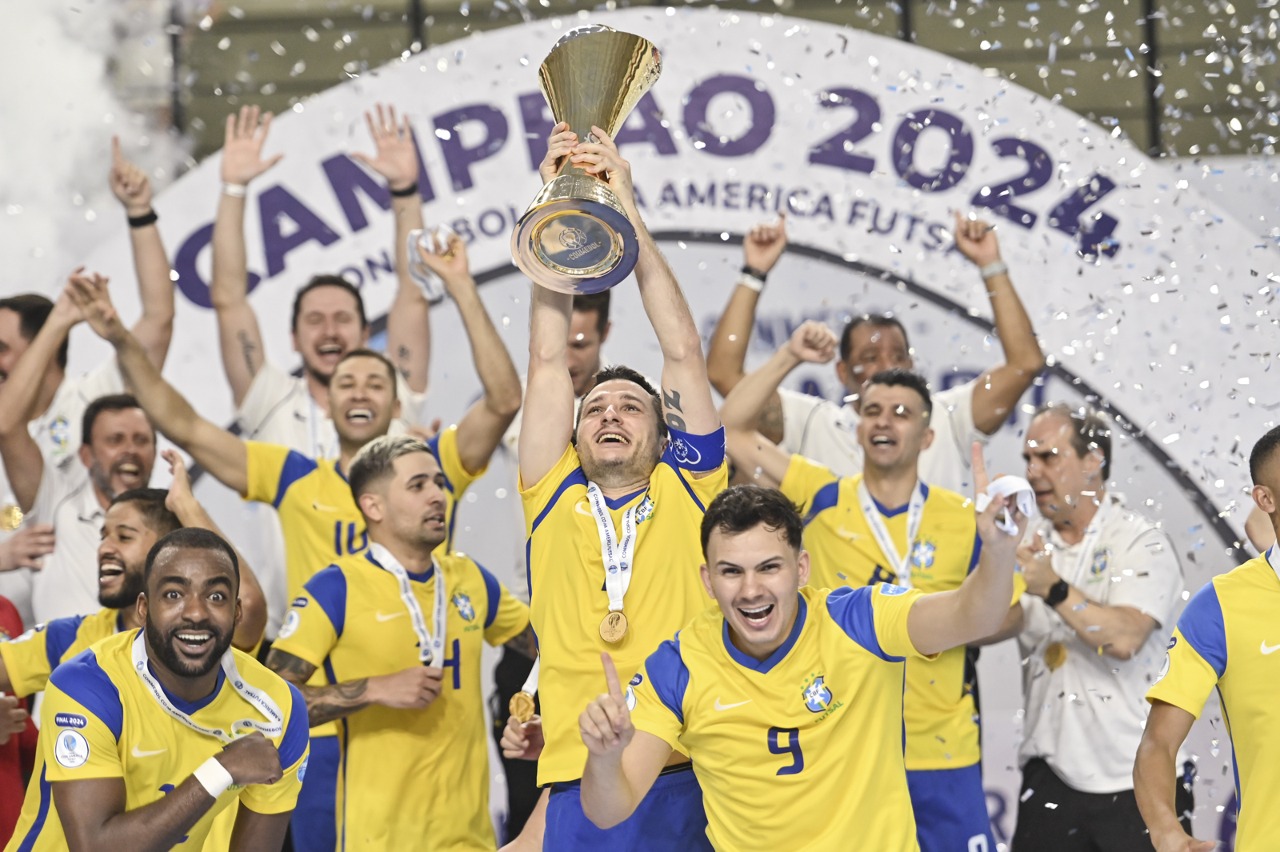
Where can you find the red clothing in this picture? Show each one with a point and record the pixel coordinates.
(18, 753)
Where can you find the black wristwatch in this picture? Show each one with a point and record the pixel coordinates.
(1057, 593)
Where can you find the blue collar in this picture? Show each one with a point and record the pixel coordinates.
(764, 666)
(616, 503)
(891, 513)
(190, 707)
(421, 577)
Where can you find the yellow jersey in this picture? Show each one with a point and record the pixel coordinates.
(408, 779)
(804, 749)
(567, 577)
(320, 519)
(941, 719)
(31, 658)
(100, 721)
(1226, 639)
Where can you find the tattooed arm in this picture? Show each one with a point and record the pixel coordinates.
(526, 643)
(408, 689)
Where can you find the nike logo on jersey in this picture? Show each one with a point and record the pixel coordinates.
(387, 616)
(137, 752)
(722, 707)
(1268, 649)
(583, 509)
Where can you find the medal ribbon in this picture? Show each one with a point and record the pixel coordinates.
(531, 682)
(899, 561)
(616, 555)
(256, 698)
(430, 642)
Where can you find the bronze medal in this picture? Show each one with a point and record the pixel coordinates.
(613, 628)
(10, 518)
(1055, 655)
(521, 706)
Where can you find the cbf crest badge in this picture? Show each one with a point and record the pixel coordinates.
(817, 697)
(922, 555)
(463, 604)
(645, 510)
(1099, 565)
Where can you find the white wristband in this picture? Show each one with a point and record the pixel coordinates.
(235, 190)
(214, 777)
(751, 282)
(994, 268)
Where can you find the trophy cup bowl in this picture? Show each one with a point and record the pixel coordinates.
(575, 237)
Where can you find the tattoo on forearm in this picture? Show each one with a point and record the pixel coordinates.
(525, 644)
(293, 669)
(326, 703)
(249, 349)
(671, 402)
(771, 422)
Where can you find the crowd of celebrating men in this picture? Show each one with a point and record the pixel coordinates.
(754, 623)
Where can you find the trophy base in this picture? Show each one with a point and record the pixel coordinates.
(574, 238)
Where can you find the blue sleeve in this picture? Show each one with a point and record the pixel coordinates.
(83, 680)
(296, 736)
(492, 592)
(827, 497)
(329, 588)
(59, 635)
(1201, 625)
(296, 466)
(433, 444)
(696, 453)
(977, 553)
(669, 676)
(851, 609)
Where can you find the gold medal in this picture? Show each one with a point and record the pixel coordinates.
(10, 518)
(613, 628)
(1055, 655)
(521, 706)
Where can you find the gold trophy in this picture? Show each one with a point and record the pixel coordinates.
(574, 237)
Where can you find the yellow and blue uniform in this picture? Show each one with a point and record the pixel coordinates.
(1216, 645)
(351, 622)
(321, 525)
(568, 601)
(802, 750)
(943, 747)
(100, 721)
(32, 657)
(320, 519)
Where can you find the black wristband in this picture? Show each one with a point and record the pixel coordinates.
(1057, 593)
(748, 269)
(148, 218)
(411, 189)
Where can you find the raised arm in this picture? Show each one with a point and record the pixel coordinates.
(750, 449)
(547, 426)
(213, 448)
(23, 461)
(409, 689)
(727, 354)
(999, 389)
(183, 503)
(686, 391)
(622, 763)
(396, 160)
(979, 607)
(238, 332)
(154, 329)
(481, 429)
(1155, 773)
(93, 811)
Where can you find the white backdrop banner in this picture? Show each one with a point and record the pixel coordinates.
(1147, 298)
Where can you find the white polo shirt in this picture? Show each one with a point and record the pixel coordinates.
(68, 583)
(1085, 717)
(825, 432)
(279, 409)
(57, 433)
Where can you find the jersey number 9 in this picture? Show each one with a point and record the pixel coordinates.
(791, 747)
